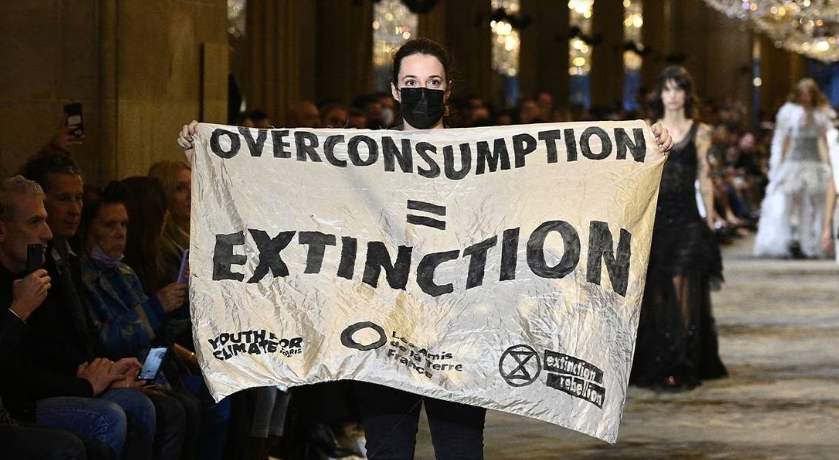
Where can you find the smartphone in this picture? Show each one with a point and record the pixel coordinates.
(152, 365)
(182, 277)
(34, 257)
(73, 117)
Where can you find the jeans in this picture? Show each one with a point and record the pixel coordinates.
(97, 418)
(24, 442)
(391, 419)
(140, 414)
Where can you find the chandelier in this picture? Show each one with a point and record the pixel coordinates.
(808, 27)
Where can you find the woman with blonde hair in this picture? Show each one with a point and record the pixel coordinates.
(792, 212)
(176, 178)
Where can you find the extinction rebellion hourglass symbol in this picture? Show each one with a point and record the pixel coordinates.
(519, 365)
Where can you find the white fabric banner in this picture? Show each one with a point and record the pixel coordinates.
(501, 267)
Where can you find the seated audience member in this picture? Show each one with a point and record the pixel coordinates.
(528, 112)
(302, 114)
(356, 118)
(503, 118)
(145, 202)
(50, 378)
(176, 179)
(726, 221)
(61, 179)
(245, 120)
(126, 320)
(372, 108)
(269, 403)
(545, 102)
(334, 115)
(390, 108)
(19, 440)
(260, 119)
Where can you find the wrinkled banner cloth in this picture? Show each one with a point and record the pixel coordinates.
(501, 267)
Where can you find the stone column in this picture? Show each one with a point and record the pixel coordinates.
(543, 58)
(162, 64)
(468, 40)
(108, 94)
(780, 71)
(720, 63)
(49, 58)
(607, 56)
(654, 36)
(344, 47)
(273, 56)
(433, 24)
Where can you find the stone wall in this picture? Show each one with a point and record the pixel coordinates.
(138, 68)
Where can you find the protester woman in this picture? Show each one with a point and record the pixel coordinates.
(676, 346)
(793, 209)
(421, 84)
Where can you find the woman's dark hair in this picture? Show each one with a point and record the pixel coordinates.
(49, 161)
(94, 199)
(683, 80)
(421, 46)
(145, 202)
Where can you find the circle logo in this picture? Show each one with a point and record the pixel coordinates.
(519, 365)
(349, 341)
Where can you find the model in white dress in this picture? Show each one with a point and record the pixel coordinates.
(793, 209)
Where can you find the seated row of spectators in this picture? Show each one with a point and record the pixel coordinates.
(108, 291)
(739, 163)
(58, 375)
(90, 319)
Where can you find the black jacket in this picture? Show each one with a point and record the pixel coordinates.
(56, 341)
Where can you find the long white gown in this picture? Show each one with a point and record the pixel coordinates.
(794, 205)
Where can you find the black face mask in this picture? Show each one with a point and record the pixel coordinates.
(422, 108)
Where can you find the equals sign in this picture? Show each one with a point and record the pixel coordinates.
(429, 208)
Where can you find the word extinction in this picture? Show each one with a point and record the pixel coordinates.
(592, 143)
(600, 248)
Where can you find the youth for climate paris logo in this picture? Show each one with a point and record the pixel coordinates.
(254, 342)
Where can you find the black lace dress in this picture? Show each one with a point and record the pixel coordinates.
(677, 340)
